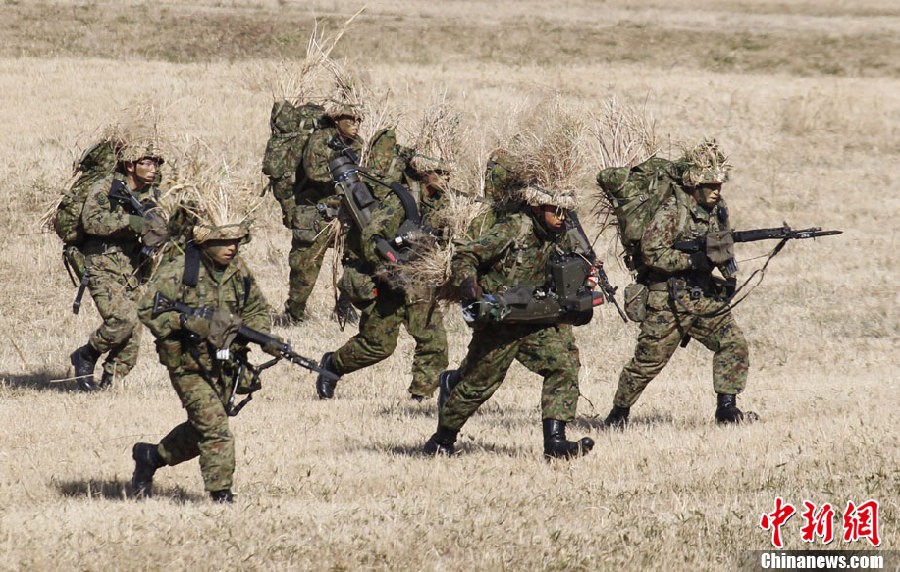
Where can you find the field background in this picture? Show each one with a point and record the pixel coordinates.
(804, 95)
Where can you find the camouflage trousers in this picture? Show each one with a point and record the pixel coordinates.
(666, 323)
(379, 327)
(205, 433)
(114, 289)
(549, 352)
(305, 261)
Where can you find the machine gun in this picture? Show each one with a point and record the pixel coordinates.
(162, 304)
(565, 300)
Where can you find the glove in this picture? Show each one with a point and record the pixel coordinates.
(136, 223)
(470, 290)
(196, 324)
(274, 347)
(223, 328)
(155, 231)
(701, 262)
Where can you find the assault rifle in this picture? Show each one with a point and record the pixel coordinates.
(162, 304)
(609, 291)
(783, 233)
(119, 192)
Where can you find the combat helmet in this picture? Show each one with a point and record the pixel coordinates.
(537, 196)
(705, 164)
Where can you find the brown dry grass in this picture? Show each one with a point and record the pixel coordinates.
(803, 96)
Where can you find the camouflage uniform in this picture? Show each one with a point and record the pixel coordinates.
(299, 199)
(672, 317)
(386, 310)
(112, 250)
(203, 383)
(516, 251)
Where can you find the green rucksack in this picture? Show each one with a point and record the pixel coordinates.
(98, 161)
(291, 126)
(635, 195)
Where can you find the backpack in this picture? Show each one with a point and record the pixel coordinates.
(635, 195)
(98, 161)
(291, 126)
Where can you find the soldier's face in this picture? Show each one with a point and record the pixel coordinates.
(436, 182)
(553, 217)
(708, 194)
(348, 127)
(221, 252)
(143, 171)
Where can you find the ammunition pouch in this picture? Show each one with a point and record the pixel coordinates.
(358, 285)
(75, 263)
(305, 223)
(636, 296)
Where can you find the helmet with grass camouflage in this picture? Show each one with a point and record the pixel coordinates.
(337, 109)
(136, 150)
(204, 233)
(705, 164)
(537, 196)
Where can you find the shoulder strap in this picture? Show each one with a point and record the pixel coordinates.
(191, 265)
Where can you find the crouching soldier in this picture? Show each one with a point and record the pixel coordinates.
(202, 354)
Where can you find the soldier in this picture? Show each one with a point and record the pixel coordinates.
(209, 274)
(384, 306)
(116, 266)
(312, 203)
(515, 252)
(684, 300)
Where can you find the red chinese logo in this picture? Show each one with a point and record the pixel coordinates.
(819, 523)
(861, 522)
(774, 520)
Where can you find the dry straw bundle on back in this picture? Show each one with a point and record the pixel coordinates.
(621, 136)
(310, 79)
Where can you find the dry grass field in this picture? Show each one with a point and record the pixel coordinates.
(804, 95)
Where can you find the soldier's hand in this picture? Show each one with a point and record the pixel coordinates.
(196, 324)
(701, 262)
(274, 347)
(155, 231)
(470, 289)
(223, 328)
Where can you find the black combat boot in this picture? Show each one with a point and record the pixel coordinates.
(557, 447)
(222, 497)
(106, 380)
(727, 410)
(448, 380)
(441, 443)
(146, 461)
(617, 418)
(84, 359)
(324, 386)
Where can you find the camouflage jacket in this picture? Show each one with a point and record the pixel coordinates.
(514, 252)
(680, 218)
(232, 287)
(108, 221)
